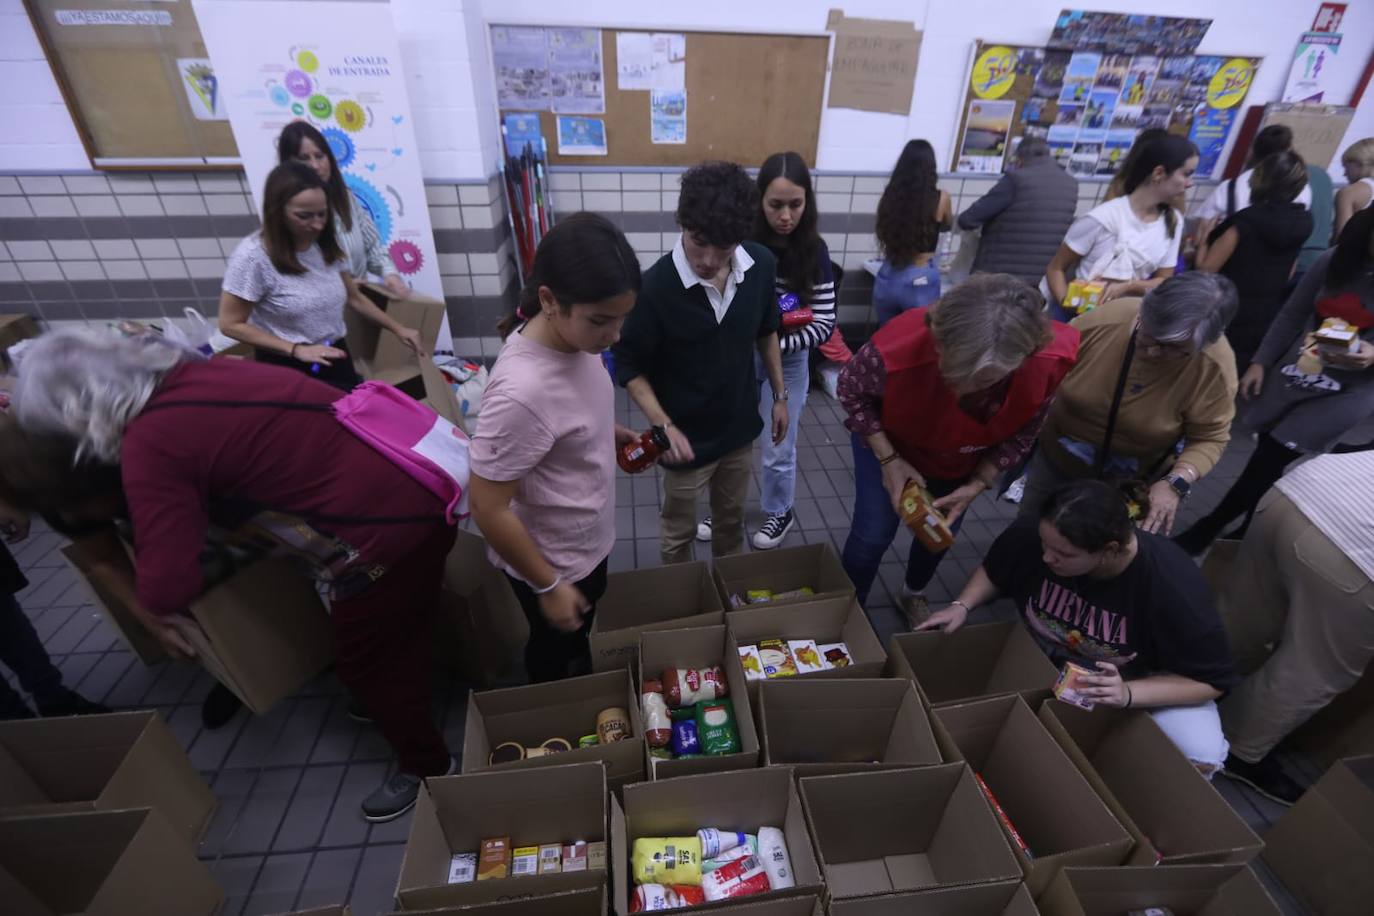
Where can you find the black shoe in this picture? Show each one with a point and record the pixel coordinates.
(70, 703)
(397, 795)
(357, 713)
(219, 707)
(773, 530)
(17, 710)
(1266, 777)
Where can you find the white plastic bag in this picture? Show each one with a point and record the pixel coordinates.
(470, 381)
(197, 333)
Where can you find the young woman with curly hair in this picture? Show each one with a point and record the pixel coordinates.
(912, 213)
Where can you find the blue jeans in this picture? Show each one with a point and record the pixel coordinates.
(875, 525)
(896, 290)
(779, 480)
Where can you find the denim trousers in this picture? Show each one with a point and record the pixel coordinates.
(779, 478)
(896, 290)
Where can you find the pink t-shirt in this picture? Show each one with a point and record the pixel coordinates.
(548, 421)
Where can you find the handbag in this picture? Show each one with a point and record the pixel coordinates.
(1134, 487)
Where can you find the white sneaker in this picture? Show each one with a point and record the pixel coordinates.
(704, 530)
(830, 380)
(773, 530)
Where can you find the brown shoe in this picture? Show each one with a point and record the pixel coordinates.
(916, 608)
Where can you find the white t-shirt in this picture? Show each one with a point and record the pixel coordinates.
(1115, 244)
(299, 308)
(1214, 207)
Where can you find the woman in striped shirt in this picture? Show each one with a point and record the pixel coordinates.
(353, 228)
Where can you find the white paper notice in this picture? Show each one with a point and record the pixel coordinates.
(651, 60)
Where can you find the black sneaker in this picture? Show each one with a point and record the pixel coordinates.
(70, 703)
(704, 529)
(1266, 777)
(397, 795)
(219, 706)
(773, 530)
(357, 713)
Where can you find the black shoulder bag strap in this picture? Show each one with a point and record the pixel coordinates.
(1230, 198)
(1101, 463)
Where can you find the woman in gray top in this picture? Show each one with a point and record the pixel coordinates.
(1299, 411)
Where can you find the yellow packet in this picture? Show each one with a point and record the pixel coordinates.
(667, 860)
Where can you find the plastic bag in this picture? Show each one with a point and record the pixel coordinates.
(197, 333)
(469, 383)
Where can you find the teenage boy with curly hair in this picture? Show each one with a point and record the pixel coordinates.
(686, 356)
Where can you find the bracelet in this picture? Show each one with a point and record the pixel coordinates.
(967, 609)
(884, 462)
(557, 581)
(1130, 698)
(293, 350)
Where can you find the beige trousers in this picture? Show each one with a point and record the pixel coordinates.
(728, 479)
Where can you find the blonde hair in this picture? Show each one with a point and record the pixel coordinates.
(1361, 151)
(988, 322)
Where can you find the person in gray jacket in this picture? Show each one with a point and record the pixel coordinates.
(1025, 215)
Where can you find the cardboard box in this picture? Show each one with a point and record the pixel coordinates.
(1322, 848)
(101, 763)
(900, 830)
(742, 801)
(586, 902)
(1188, 890)
(102, 863)
(567, 709)
(1049, 803)
(698, 648)
(784, 570)
(1168, 807)
(381, 355)
(14, 328)
(973, 662)
(480, 629)
(820, 727)
(340, 910)
(108, 597)
(1003, 898)
(664, 598)
(530, 806)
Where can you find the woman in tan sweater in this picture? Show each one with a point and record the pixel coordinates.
(1176, 405)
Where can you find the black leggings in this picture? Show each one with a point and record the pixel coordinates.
(552, 655)
(1261, 472)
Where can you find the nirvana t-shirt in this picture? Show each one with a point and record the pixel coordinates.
(1156, 617)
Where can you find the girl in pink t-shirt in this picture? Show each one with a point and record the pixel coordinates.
(543, 457)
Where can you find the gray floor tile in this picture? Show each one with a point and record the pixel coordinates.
(231, 788)
(236, 875)
(309, 809)
(346, 826)
(278, 882)
(374, 891)
(107, 672)
(213, 745)
(258, 741)
(330, 877)
(302, 729)
(262, 813)
(337, 737)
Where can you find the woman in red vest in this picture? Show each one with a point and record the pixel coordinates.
(949, 396)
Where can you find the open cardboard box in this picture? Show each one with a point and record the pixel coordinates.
(790, 568)
(973, 662)
(663, 598)
(1168, 807)
(824, 620)
(1186, 890)
(101, 763)
(480, 629)
(590, 901)
(820, 727)
(901, 830)
(700, 647)
(102, 863)
(338, 910)
(1323, 847)
(742, 801)
(381, 355)
(532, 807)
(1048, 801)
(567, 709)
(1003, 898)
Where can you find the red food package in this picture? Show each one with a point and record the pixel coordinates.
(653, 898)
(739, 878)
(685, 686)
(658, 727)
(1002, 816)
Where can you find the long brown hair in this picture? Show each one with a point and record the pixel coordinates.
(283, 183)
(799, 257)
(289, 147)
(905, 226)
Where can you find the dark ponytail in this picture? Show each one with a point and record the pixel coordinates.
(584, 258)
(1169, 151)
(1091, 514)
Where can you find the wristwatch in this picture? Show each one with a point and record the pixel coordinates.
(1179, 484)
(780, 395)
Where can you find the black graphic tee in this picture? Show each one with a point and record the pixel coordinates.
(1158, 616)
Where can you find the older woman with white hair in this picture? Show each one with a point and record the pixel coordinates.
(256, 450)
(950, 397)
(1151, 399)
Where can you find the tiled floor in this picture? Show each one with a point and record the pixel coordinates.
(288, 833)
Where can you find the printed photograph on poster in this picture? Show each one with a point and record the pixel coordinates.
(1139, 78)
(1083, 161)
(650, 60)
(1078, 78)
(1155, 116)
(1127, 116)
(985, 136)
(1033, 110)
(581, 136)
(1111, 72)
(1038, 131)
(1114, 150)
(1175, 68)
(1065, 126)
(520, 56)
(520, 131)
(202, 88)
(1029, 62)
(1060, 151)
(1208, 132)
(669, 70)
(1164, 92)
(668, 116)
(1050, 80)
(1097, 114)
(1133, 34)
(1199, 78)
(576, 80)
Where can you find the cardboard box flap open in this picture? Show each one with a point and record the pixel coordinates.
(674, 597)
(984, 660)
(813, 565)
(382, 356)
(819, 722)
(824, 620)
(589, 901)
(1195, 890)
(1002, 898)
(106, 598)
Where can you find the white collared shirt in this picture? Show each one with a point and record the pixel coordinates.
(720, 302)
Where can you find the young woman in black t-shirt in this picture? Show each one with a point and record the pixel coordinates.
(1095, 590)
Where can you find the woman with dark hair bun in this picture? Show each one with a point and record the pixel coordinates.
(912, 213)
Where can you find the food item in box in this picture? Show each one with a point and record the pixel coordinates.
(1084, 295)
(777, 658)
(805, 591)
(612, 725)
(556, 746)
(758, 595)
(685, 738)
(588, 741)
(1002, 816)
(1336, 336)
(739, 878)
(575, 857)
(661, 753)
(714, 842)
(751, 663)
(596, 855)
(834, 655)
(1067, 687)
(776, 863)
(750, 848)
(506, 752)
(550, 859)
(1152, 911)
(666, 860)
(462, 868)
(658, 726)
(494, 861)
(654, 898)
(805, 655)
(685, 686)
(524, 861)
(716, 728)
(924, 520)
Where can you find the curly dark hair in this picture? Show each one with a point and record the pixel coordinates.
(798, 253)
(906, 212)
(717, 203)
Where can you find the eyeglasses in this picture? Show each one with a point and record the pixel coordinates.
(1151, 347)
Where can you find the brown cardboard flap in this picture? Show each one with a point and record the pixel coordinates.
(1002, 898)
(784, 570)
(382, 356)
(108, 602)
(1196, 890)
(589, 901)
(674, 597)
(480, 628)
(973, 662)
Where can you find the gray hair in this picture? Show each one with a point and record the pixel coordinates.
(1195, 307)
(89, 384)
(988, 322)
(1032, 148)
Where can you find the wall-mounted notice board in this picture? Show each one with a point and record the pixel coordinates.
(748, 96)
(137, 80)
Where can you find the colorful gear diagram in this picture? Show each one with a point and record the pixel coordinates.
(407, 257)
(350, 115)
(366, 195)
(341, 145)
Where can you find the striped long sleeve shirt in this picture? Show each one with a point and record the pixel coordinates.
(822, 307)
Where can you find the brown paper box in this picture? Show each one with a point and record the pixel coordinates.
(590, 901)
(531, 806)
(340, 910)
(1194, 890)
(821, 727)
(664, 598)
(741, 801)
(102, 863)
(567, 709)
(101, 763)
(901, 830)
(1050, 804)
(1003, 898)
(1322, 848)
(480, 628)
(1171, 811)
(784, 570)
(698, 648)
(108, 602)
(984, 660)
(381, 355)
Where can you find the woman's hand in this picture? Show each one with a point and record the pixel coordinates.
(947, 619)
(1119, 289)
(411, 338)
(1252, 381)
(1360, 360)
(564, 607)
(1105, 688)
(1163, 507)
(317, 353)
(955, 503)
(396, 286)
(780, 421)
(624, 435)
(170, 632)
(681, 450)
(896, 475)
